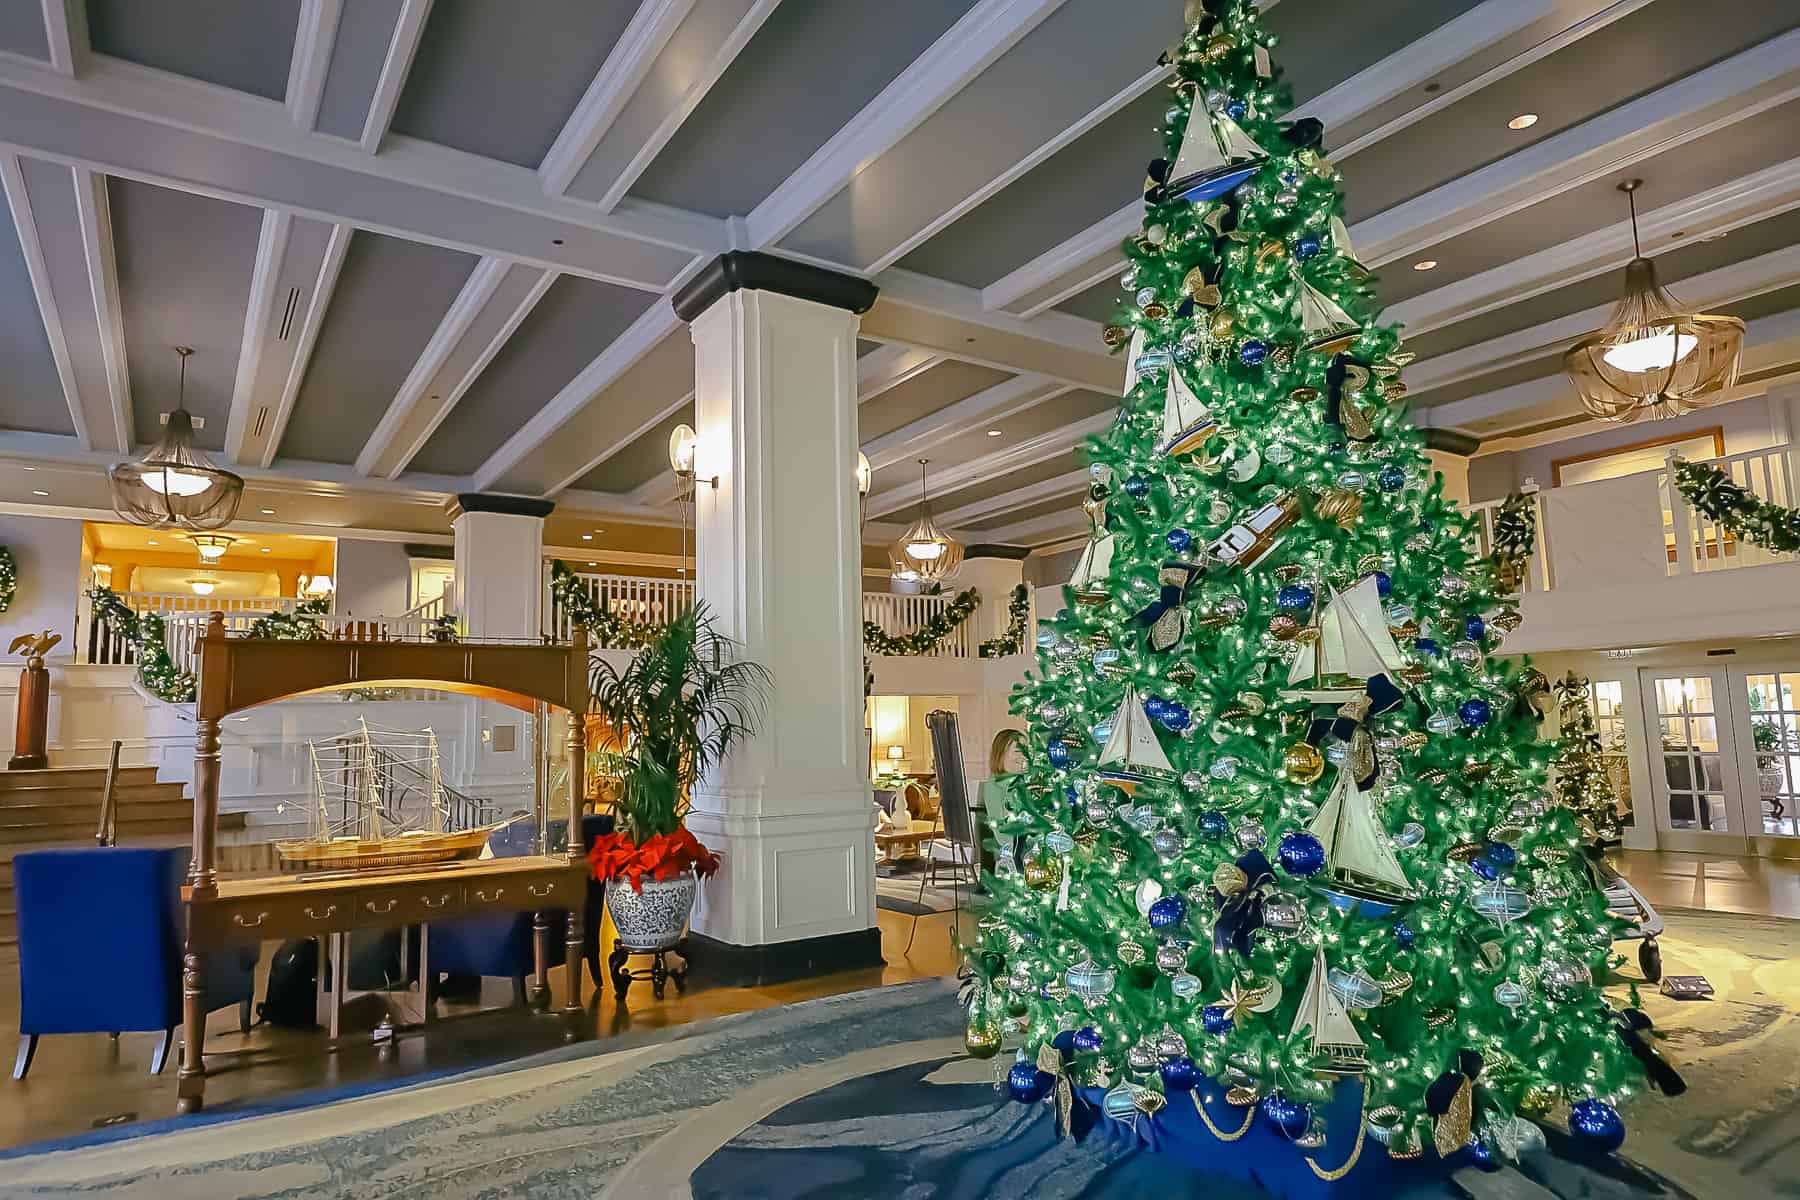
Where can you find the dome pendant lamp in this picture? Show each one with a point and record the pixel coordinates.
(1653, 357)
(925, 553)
(175, 485)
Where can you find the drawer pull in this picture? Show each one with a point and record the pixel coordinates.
(428, 902)
(315, 915)
(487, 899)
(238, 920)
(547, 888)
(387, 907)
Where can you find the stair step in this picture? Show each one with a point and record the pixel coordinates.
(73, 831)
(89, 777)
(90, 797)
(18, 816)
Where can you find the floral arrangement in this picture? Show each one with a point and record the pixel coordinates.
(662, 857)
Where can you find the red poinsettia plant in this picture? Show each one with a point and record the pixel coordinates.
(679, 706)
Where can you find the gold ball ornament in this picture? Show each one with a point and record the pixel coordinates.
(1115, 336)
(982, 1038)
(1304, 394)
(1218, 48)
(1156, 310)
(1340, 505)
(1223, 324)
(1228, 879)
(1539, 1099)
(1042, 874)
(1302, 763)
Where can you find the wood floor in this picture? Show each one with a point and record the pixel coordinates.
(1714, 882)
(82, 1082)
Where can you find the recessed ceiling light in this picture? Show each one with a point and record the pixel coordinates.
(268, 512)
(265, 549)
(993, 433)
(587, 537)
(151, 542)
(1425, 264)
(39, 492)
(593, 564)
(1522, 121)
(28, 468)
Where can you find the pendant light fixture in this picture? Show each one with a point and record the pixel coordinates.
(1653, 357)
(212, 546)
(175, 485)
(925, 553)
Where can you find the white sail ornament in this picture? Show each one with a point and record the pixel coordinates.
(1216, 156)
(1132, 754)
(1332, 1034)
(1093, 568)
(1328, 328)
(1340, 238)
(1353, 647)
(1186, 421)
(1359, 859)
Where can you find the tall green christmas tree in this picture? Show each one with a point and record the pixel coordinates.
(1582, 784)
(1286, 819)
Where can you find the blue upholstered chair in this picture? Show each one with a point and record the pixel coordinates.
(501, 945)
(100, 946)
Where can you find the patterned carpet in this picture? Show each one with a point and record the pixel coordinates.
(867, 1095)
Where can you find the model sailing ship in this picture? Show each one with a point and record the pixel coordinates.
(379, 801)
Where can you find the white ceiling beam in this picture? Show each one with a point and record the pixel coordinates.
(1028, 453)
(496, 297)
(1068, 483)
(669, 58)
(66, 34)
(175, 132)
(94, 211)
(889, 367)
(983, 34)
(18, 202)
(1072, 266)
(394, 69)
(311, 63)
(985, 407)
(297, 265)
(1712, 213)
(1039, 531)
(1713, 289)
(1692, 107)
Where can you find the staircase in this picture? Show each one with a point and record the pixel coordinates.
(60, 806)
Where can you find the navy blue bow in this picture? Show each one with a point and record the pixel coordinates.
(1380, 695)
(1172, 595)
(1241, 913)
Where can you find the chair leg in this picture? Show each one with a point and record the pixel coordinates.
(27, 1051)
(161, 1057)
(244, 1015)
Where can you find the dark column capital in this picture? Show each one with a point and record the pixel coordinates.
(753, 270)
(1452, 441)
(495, 502)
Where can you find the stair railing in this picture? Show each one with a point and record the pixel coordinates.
(108, 833)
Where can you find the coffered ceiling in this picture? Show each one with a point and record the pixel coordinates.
(426, 248)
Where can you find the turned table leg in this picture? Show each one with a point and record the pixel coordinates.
(190, 1087)
(572, 964)
(540, 944)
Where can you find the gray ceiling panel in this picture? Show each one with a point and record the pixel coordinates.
(22, 28)
(1636, 54)
(1537, 368)
(1320, 46)
(228, 42)
(499, 81)
(812, 66)
(641, 461)
(1099, 303)
(1698, 166)
(1041, 418)
(364, 31)
(571, 325)
(999, 485)
(389, 298)
(31, 394)
(184, 266)
(924, 394)
(1069, 504)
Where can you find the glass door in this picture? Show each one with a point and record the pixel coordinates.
(1770, 736)
(1693, 772)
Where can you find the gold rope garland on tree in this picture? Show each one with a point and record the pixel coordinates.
(1205, 1119)
(926, 637)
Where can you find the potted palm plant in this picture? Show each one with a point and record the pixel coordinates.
(678, 707)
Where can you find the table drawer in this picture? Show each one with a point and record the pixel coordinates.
(266, 917)
(522, 893)
(407, 904)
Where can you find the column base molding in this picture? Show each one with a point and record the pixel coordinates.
(722, 964)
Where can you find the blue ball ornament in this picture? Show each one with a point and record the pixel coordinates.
(1137, 487)
(1475, 628)
(1294, 597)
(1058, 753)
(1484, 867)
(1288, 1118)
(1179, 1074)
(1306, 247)
(1426, 646)
(1482, 1154)
(1237, 110)
(1403, 934)
(1384, 584)
(1392, 478)
(1301, 853)
(1596, 1126)
(1087, 1039)
(1168, 912)
(1213, 824)
(1502, 855)
(1252, 353)
(1178, 539)
(1475, 713)
(1025, 1083)
(1064, 1041)
(1175, 716)
(1216, 1019)
(1153, 706)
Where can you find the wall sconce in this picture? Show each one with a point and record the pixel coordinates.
(683, 447)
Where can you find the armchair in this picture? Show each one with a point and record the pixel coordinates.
(100, 947)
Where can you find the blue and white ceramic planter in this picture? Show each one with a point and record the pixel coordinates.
(653, 918)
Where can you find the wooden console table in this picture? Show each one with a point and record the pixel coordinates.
(238, 673)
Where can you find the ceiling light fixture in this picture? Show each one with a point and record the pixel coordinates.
(212, 546)
(265, 550)
(268, 512)
(1523, 121)
(39, 492)
(993, 433)
(176, 485)
(587, 537)
(1425, 264)
(1653, 357)
(925, 552)
(203, 586)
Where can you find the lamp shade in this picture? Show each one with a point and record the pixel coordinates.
(212, 546)
(175, 485)
(896, 753)
(682, 443)
(924, 553)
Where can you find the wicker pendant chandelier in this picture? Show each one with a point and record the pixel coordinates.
(924, 553)
(1653, 358)
(175, 485)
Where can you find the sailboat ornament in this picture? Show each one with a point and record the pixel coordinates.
(1132, 754)
(1359, 858)
(1216, 156)
(1352, 648)
(1186, 421)
(1333, 1035)
(1328, 328)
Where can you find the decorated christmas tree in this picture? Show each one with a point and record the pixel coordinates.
(1582, 783)
(1286, 827)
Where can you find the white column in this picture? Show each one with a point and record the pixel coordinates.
(779, 564)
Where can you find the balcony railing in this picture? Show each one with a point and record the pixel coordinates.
(645, 600)
(1538, 572)
(1697, 544)
(898, 614)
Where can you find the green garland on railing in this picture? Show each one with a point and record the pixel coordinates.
(606, 629)
(926, 637)
(1018, 611)
(1742, 512)
(155, 669)
(9, 579)
(1515, 539)
(300, 625)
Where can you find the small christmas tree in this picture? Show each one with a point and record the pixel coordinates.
(1286, 821)
(1583, 785)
